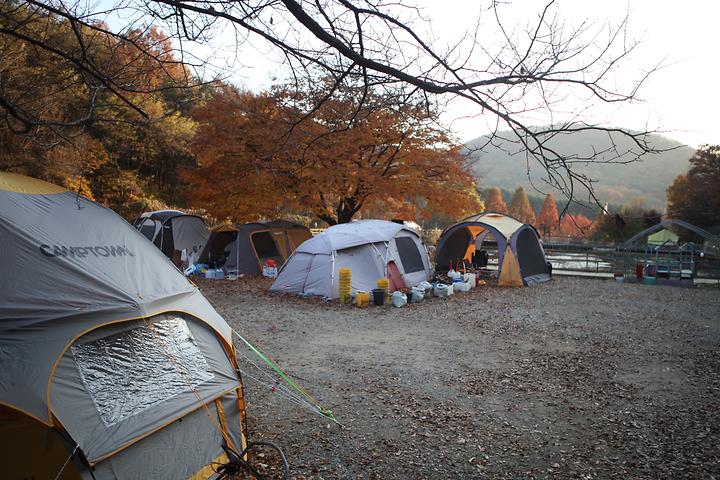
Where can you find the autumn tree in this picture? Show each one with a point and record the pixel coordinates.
(520, 207)
(538, 68)
(575, 226)
(263, 154)
(61, 125)
(548, 220)
(695, 196)
(494, 201)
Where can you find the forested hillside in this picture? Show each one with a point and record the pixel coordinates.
(500, 164)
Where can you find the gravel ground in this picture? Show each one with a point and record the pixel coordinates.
(576, 378)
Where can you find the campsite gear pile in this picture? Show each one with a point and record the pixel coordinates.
(270, 268)
(109, 354)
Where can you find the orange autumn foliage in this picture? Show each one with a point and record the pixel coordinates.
(259, 156)
(520, 207)
(494, 201)
(575, 226)
(548, 221)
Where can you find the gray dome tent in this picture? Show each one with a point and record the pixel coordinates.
(243, 249)
(367, 247)
(114, 365)
(173, 231)
(521, 258)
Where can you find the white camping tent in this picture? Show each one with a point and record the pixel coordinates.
(372, 249)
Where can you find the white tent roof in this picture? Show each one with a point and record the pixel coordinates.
(347, 235)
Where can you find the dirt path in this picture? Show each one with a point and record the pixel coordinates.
(572, 379)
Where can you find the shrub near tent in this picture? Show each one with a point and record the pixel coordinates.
(521, 258)
(112, 360)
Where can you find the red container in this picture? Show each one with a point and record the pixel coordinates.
(639, 271)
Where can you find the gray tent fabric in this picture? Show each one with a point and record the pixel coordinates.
(156, 456)
(365, 246)
(189, 233)
(173, 230)
(76, 273)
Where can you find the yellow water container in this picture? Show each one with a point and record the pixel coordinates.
(345, 284)
(362, 299)
(384, 283)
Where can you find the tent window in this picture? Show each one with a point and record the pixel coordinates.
(131, 371)
(265, 245)
(148, 229)
(409, 255)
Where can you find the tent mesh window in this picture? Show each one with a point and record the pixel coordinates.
(148, 228)
(409, 255)
(128, 372)
(265, 245)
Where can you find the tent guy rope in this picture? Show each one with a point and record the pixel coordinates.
(284, 376)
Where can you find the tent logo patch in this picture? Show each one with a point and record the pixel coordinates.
(82, 252)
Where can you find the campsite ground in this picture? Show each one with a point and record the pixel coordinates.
(576, 378)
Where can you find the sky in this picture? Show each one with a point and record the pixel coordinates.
(680, 100)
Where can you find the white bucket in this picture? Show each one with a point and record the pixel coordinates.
(399, 299)
(440, 290)
(417, 294)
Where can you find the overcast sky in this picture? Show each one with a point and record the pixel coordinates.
(681, 100)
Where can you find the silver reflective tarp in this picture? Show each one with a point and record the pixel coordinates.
(122, 381)
(131, 371)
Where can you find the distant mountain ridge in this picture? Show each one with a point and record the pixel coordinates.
(503, 166)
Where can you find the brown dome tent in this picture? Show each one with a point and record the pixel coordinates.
(243, 249)
(521, 258)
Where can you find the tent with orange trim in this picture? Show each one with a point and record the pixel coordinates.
(521, 258)
(114, 366)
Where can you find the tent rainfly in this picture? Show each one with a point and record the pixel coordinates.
(245, 248)
(114, 366)
(662, 237)
(372, 249)
(521, 255)
(173, 231)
